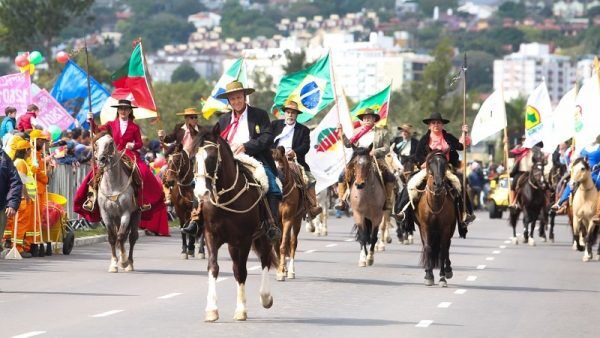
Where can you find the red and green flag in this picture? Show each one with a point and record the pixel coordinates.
(379, 103)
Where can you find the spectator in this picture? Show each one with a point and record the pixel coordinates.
(9, 124)
(26, 122)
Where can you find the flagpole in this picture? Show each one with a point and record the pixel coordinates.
(335, 97)
(89, 88)
(464, 176)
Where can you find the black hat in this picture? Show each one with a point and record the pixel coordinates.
(435, 117)
(124, 104)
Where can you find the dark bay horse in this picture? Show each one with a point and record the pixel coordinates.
(532, 199)
(367, 198)
(232, 210)
(179, 179)
(436, 216)
(291, 212)
(406, 227)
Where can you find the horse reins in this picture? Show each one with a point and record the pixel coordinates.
(114, 197)
(177, 174)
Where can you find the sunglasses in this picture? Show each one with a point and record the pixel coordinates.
(193, 117)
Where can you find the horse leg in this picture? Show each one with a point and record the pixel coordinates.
(589, 233)
(291, 270)
(373, 231)
(525, 227)
(122, 236)
(112, 239)
(239, 256)
(551, 216)
(191, 246)
(283, 250)
(267, 259)
(133, 237)
(532, 221)
(429, 279)
(443, 259)
(212, 311)
(382, 230)
(184, 254)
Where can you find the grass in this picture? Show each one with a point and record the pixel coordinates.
(90, 232)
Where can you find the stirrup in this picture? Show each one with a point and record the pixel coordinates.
(191, 229)
(400, 215)
(88, 205)
(341, 206)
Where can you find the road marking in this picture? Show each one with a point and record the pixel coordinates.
(480, 267)
(330, 245)
(107, 313)
(424, 323)
(460, 291)
(471, 278)
(170, 295)
(220, 279)
(256, 267)
(30, 334)
(502, 246)
(496, 252)
(444, 305)
(349, 240)
(310, 251)
(506, 242)
(489, 258)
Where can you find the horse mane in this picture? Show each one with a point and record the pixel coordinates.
(582, 160)
(101, 134)
(435, 153)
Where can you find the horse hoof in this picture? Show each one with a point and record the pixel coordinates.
(586, 258)
(191, 254)
(266, 301)
(113, 269)
(574, 247)
(362, 263)
(291, 275)
(129, 268)
(428, 282)
(411, 239)
(443, 283)
(449, 274)
(240, 316)
(380, 247)
(531, 242)
(211, 316)
(123, 265)
(184, 255)
(201, 255)
(280, 276)
(370, 260)
(544, 239)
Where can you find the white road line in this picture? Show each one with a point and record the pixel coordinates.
(330, 245)
(444, 305)
(506, 242)
(471, 278)
(107, 313)
(349, 240)
(310, 251)
(220, 279)
(424, 323)
(30, 334)
(480, 267)
(502, 246)
(256, 267)
(170, 295)
(489, 258)
(460, 291)
(496, 252)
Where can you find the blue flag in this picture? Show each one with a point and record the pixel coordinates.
(71, 91)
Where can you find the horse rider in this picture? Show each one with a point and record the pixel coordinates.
(150, 196)
(592, 153)
(183, 133)
(524, 160)
(438, 139)
(370, 135)
(247, 130)
(10, 193)
(295, 138)
(405, 145)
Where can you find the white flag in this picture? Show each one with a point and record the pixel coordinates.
(490, 119)
(587, 113)
(538, 110)
(561, 126)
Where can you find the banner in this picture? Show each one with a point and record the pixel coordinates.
(587, 113)
(561, 126)
(537, 111)
(14, 91)
(490, 119)
(51, 112)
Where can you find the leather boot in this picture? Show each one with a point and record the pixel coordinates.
(314, 209)
(193, 226)
(341, 192)
(90, 202)
(274, 230)
(389, 196)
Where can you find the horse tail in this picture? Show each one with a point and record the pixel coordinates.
(431, 257)
(263, 247)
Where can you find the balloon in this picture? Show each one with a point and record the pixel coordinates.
(29, 68)
(21, 60)
(35, 57)
(62, 57)
(159, 162)
(55, 132)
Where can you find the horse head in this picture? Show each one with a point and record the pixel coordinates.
(279, 157)
(105, 149)
(436, 164)
(178, 166)
(363, 165)
(580, 170)
(537, 176)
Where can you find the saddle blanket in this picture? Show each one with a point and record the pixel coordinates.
(257, 169)
(419, 178)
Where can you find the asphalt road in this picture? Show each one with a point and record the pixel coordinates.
(498, 290)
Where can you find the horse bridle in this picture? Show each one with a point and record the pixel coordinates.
(431, 191)
(531, 183)
(215, 195)
(178, 171)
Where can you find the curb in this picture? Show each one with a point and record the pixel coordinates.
(91, 240)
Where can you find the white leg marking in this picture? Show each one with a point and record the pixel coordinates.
(241, 298)
(211, 297)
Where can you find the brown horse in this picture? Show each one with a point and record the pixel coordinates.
(179, 179)
(291, 212)
(367, 198)
(436, 216)
(232, 210)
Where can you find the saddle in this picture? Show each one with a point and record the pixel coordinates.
(130, 167)
(416, 185)
(255, 169)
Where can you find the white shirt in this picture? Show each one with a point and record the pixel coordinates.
(406, 148)
(285, 138)
(367, 139)
(242, 134)
(123, 125)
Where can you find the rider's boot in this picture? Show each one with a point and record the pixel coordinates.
(274, 230)
(401, 206)
(314, 209)
(89, 203)
(193, 227)
(512, 197)
(389, 195)
(341, 205)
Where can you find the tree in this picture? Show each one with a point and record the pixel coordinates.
(185, 73)
(295, 62)
(5, 68)
(513, 10)
(263, 97)
(156, 31)
(34, 24)
(481, 71)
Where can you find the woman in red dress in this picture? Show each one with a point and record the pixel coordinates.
(151, 198)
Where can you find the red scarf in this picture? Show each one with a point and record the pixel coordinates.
(361, 132)
(234, 126)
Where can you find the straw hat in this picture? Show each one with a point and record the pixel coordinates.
(292, 105)
(189, 112)
(368, 111)
(233, 87)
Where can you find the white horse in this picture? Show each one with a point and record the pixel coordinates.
(584, 207)
(116, 200)
(394, 165)
(318, 225)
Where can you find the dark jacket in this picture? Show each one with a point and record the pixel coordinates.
(261, 137)
(413, 145)
(10, 183)
(423, 148)
(177, 136)
(300, 140)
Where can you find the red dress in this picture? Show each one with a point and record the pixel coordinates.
(155, 219)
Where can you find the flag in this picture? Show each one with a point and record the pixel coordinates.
(311, 88)
(538, 109)
(71, 91)
(51, 112)
(587, 114)
(237, 71)
(132, 82)
(561, 126)
(490, 119)
(327, 156)
(15, 91)
(378, 102)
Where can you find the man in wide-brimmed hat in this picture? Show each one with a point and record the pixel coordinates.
(247, 129)
(183, 133)
(369, 135)
(405, 145)
(295, 138)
